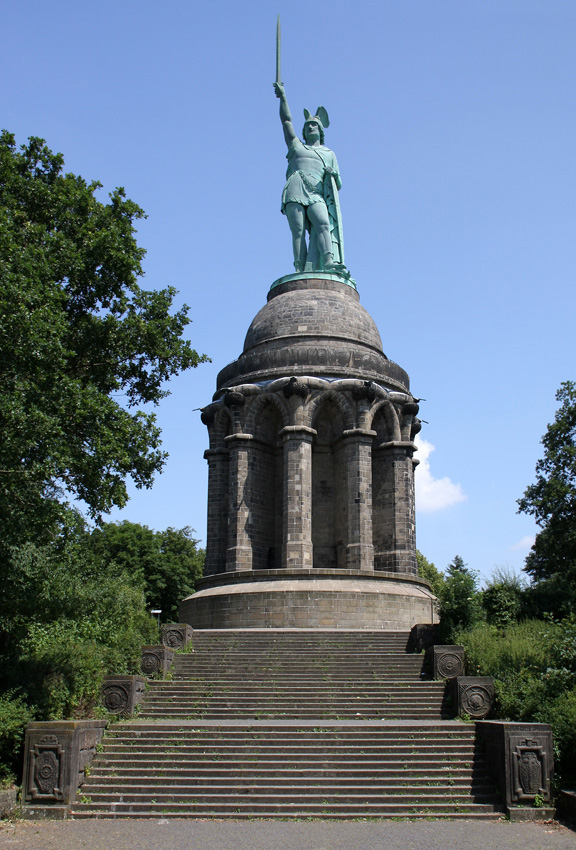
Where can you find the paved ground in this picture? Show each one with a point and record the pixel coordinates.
(284, 835)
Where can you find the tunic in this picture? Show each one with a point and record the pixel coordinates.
(305, 174)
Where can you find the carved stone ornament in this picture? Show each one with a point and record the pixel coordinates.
(207, 417)
(449, 664)
(530, 772)
(116, 698)
(173, 638)
(530, 757)
(295, 387)
(151, 664)
(415, 428)
(176, 635)
(475, 695)
(410, 408)
(156, 660)
(46, 773)
(234, 398)
(366, 391)
(445, 662)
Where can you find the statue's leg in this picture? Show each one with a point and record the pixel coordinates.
(318, 215)
(296, 216)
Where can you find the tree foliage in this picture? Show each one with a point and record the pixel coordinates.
(82, 344)
(504, 597)
(551, 500)
(460, 599)
(167, 563)
(428, 571)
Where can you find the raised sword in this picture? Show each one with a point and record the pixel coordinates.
(278, 80)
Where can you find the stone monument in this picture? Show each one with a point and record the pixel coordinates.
(311, 467)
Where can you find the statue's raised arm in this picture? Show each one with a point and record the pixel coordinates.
(285, 114)
(310, 196)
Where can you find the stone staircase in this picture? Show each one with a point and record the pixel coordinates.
(292, 724)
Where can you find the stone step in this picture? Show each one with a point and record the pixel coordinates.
(320, 714)
(284, 748)
(302, 797)
(101, 777)
(352, 730)
(326, 809)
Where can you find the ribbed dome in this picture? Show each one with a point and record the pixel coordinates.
(313, 308)
(316, 327)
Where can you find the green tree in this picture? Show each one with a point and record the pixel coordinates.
(82, 345)
(165, 563)
(460, 598)
(428, 571)
(503, 599)
(551, 500)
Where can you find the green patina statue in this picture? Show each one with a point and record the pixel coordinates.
(310, 196)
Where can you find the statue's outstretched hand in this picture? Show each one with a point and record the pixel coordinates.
(279, 90)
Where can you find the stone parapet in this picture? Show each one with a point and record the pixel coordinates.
(521, 760)
(56, 755)
(121, 694)
(472, 696)
(422, 636)
(445, 662)
(156, 661)
(176, 635)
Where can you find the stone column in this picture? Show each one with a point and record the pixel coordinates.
(297, 503)
(217, 529)
(358, 454)
(239, 551)
(393, 508)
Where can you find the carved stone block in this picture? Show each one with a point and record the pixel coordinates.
(445, 662)
(121, 694)
(473, 695)
(56, 753)
(156, 661)
(176, 635)
(521, 759)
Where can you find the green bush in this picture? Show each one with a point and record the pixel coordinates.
(534, 668)
(503, 597)
(14, 717)
(460, 600)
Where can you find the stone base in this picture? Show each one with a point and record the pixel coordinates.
(521, 814)
(308, 599)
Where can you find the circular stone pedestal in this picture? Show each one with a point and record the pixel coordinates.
(336, 599)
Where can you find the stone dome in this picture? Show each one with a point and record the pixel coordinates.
(313, 326)
(315, 309)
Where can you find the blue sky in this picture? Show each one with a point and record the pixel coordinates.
(454, 123)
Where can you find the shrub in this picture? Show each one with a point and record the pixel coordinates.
(460, 606)
(14, 717)
(503, 597)
(534, 668)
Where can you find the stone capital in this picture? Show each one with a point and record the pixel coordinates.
(360, 433)
(231, 439)
(295, 431)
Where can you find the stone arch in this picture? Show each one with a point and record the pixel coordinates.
(258, 403)
(345, 406)
(385, 422)
(264, 484)
(223, 425)
(329, 504)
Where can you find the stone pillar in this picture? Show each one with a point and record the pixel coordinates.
(239, 551)
(393, 508)
(297, 503)
(358, 454)
(217, 528)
